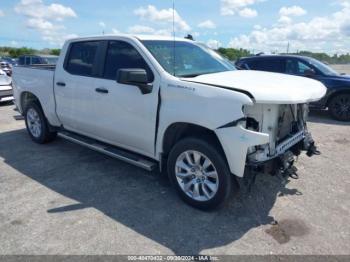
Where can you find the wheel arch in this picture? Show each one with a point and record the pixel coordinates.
(180, 130)
(26, 98)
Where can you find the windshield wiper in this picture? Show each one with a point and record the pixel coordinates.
(189, 75)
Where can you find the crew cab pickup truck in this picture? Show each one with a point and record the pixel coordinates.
(173, 104)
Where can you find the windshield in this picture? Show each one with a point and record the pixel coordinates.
(190, 59)
(325, 69)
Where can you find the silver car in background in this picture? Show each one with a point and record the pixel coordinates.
(6, 92)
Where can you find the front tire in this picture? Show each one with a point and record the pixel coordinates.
(339, 107)
(37, 125)
(200, 174)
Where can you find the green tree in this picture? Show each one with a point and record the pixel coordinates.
(233, 54)
(16, 52)
(55, 52)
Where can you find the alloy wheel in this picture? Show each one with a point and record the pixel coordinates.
(341, 107)
(34, 122)
(196, 175)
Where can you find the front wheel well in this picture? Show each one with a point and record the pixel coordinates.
(179, 131)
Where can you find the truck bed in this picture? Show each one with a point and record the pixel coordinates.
(38, 80)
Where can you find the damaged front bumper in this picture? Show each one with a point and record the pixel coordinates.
(267, 139)
(282, 161)
(249, 149)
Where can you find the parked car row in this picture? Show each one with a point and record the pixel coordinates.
(7, 63)
(337, 99)
(6, 67)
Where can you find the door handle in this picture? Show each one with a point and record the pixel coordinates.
(61, 84)
(101, 90)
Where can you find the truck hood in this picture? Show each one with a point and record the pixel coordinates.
(271, 88)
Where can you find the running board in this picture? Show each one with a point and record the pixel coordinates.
(112, 151)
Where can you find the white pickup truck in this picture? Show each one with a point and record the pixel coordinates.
(172, 103)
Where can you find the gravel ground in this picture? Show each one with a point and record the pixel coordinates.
(62, 198)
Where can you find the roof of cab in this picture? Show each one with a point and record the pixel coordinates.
(139, 37)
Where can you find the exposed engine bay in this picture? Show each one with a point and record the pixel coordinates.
(288, 134)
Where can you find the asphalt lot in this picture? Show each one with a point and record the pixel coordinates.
(62, 198)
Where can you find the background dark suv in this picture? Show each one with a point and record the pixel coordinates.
(337, 99)
(27, 60)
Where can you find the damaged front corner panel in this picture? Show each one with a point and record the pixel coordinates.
(235, 142)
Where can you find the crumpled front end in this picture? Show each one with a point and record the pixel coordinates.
(268, 139)
(288, 136)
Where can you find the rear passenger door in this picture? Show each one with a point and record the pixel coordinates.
(75, 86)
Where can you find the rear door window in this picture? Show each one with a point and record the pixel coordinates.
(82, 58)
(269, 64)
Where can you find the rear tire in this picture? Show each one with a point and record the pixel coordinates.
(200, 174)
(339, 107)
(37, 124)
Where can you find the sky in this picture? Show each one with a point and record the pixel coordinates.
(256, 25)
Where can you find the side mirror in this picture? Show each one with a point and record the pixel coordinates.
(309, 73)
(135, 77)
(239, 67)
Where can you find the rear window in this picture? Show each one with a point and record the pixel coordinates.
(82, 57)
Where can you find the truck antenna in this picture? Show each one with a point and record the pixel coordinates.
(174, 44)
